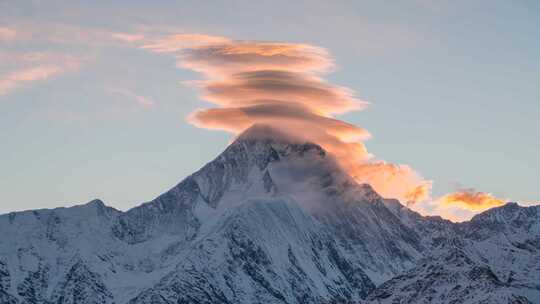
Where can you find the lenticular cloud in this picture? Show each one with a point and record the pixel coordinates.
(281, 84)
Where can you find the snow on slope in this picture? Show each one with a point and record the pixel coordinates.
(448, 276)
(503, 241)
(264, 251)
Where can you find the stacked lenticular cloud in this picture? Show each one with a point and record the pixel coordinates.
(281, 84)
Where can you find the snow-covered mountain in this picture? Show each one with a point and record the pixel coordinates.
(273, 219)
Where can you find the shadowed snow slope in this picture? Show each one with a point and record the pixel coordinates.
(273, 219)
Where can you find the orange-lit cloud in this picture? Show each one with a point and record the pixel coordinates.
(280, 84)
(250, 88)
(214, 55)
(471, 200)
(395, 181)
(459, 206)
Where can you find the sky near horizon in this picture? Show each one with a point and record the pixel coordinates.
(89, 112)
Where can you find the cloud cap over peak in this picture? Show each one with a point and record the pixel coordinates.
(281, 84)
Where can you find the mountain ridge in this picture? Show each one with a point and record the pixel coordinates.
(272, 219)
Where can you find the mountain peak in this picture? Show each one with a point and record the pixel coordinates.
(264, 132)
(96, 202)
(272, 143)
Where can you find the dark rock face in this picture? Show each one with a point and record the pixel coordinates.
(170, 213)
(270, 220)
(32, 289)
(81, 285)
(5, 285)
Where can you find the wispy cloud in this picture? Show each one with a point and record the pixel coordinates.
(66, 34)
(127, 37)
(20, 70)
(24, 61)
(140, 100)
(21, 78)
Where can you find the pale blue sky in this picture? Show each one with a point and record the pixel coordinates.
(454, 88)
